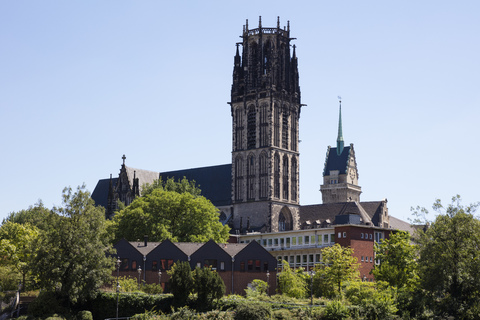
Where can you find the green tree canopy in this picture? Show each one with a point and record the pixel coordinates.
(71, 255)
(397, 256)
(35, 215)
(449, 259)
(180, 186)
(339, 265)
(291, 282)
(209, 286)
(181, 281)
(16, 249)
(170, 215)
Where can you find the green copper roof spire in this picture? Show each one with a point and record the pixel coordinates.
(340, 133)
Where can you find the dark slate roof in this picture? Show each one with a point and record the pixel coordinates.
(326, 211)
(215, 182)
(233, 248)
(335, 162)
(100, 193)
(398, 224)
(189, 247)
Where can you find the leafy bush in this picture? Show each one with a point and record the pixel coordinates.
(282, 314)
(181, 281)
(152, 288)
(47, 303)
(376, 301)
(127, 284)
(335, 310)
(84, 315)
(258, 288)
(209, 286)
(253, 311)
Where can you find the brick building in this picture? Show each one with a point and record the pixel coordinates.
(238, 264)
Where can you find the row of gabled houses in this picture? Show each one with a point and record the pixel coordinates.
(238, 264)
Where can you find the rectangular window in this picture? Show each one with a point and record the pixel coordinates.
(310, 258)
(362, 258)
(222, 265)
(242, 266)
(282, 242)
(199, 264)
(264, 242)
(299, 240)
(250, 265)
(344, 234)
(170, 264)
(257, 265)
(370, 236)
(339, 235)
(134, 265)
(275, 241)
(288, 242)
(265, 265)
(317, 257)
(325, 239)
(292, 260)
(307, 238)
(332, 238)
(361, 235)
(294, 241)
(269, 242)
(371, 260)
(154, 265)
(312, 239)
(304, 258)
(299, 259)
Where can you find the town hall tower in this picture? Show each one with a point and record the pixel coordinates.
(265, 105)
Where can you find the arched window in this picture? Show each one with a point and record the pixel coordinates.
(239, 178)
(238, 129)
(263, 176)
(276, 127)
(294, 179)
(251, 177)
(293, 131)
(252, 128)
(285, 177)
(285, 129)
(263, 125)
(285, 221)
(276, 176)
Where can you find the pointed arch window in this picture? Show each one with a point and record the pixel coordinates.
(239, 178)
(238, 129)
(285, 129)
(252, 127)
(294, 179)
(263, 125)
(276, 127)
(285, 177)
(293, 131)
(276, 176)
(285, 221)
(263, 176)
(251, 177)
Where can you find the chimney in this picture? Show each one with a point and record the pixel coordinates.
(145, 240)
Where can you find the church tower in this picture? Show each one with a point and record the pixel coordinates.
(265, 106)
(340, 174)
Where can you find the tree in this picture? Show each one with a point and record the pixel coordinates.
(291, 283)
(16, 242)
(35, 216)
(449, 259)
(181, 281)
(170, 215)
(339, 265)
(209, 286)
(71, 257)
(397, 258)
(180, 186)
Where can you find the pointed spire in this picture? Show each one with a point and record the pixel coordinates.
(260, 21)
(340, 132)
(278, 22)
(123, 158)
(294, 54)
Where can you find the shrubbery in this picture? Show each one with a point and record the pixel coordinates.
(253, 311)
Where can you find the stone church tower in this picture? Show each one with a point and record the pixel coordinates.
(340, 174)
(265, 106)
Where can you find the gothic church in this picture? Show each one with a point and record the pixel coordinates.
(259, 190)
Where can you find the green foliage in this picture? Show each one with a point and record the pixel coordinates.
(127, 284)
(335, 310)
(47, 303)
(70, 257)
(163, 215)
(209, 286)
(398, 260)
(253, 311)
(84, 315)
(181, 281)
(152, 288)
(180, 186)
(339, 265)
(375, 301)
(291, 283)
(34, 216)
(258, 288)
(16, 248)
(449, 262)
(9, 278)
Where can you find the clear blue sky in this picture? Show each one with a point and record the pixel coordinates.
(84, 82)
